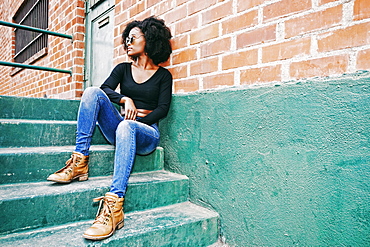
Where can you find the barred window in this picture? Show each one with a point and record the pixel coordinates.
(31, 45)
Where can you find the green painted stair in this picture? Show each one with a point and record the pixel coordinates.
(37, 137)
(183, 224)
(45, 203)
(18, 164)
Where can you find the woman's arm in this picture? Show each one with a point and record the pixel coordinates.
(164, 101)
(111, 83)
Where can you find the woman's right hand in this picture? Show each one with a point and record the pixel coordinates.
(130, 108)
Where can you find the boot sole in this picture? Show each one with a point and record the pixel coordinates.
(119, 226)
(80, 178)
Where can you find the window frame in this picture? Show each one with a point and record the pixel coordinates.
(33, 13)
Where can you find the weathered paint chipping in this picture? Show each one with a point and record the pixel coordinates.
(283, 165)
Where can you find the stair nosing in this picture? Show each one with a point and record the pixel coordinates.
(34, 189)
(52, 149)
(37, 121)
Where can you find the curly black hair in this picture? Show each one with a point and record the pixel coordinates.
(157, 36)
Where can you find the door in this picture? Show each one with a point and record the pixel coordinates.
(99, 41)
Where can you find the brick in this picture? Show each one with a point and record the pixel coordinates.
(137, 8)
(180, 2)
(204, 66)
(188, 85)
(322, 2)
(78, 44)
(187, 24)
(184, 56)
(352, 36)
(179, 42)
(244, 5)
(176, 14)
(117, 41)
(361, 9)
(215, 47)
(80, 12)
(225, 79)
(240, 59)
(204, 34)
(257, 36)
(78, 70)
(162, 7)
(314, 21)
(334, 65)
(286, 50)
(363, 60)
(240, 22)
(285, 8)
(120, 18)
(217, 13)
(78, 61)
(196, 6)
(260, 75)
(78, 94)
(179, 72)
(76, 36)
(150, 3)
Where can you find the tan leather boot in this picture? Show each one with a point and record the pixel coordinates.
(108, 219)
(76, 168)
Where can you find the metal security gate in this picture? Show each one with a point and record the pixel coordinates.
(33, 13)
(99, 41)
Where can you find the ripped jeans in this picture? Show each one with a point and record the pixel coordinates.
(130, 137)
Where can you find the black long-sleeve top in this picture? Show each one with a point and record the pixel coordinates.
(154, 94)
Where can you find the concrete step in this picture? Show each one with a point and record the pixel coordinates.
(33, 164)
(35, 133)
(32, 205)
(183, 224)
(37, 108)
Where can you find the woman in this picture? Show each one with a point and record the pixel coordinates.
(145, 94)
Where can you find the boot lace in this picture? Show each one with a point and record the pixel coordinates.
(70, 163)
(104, 215)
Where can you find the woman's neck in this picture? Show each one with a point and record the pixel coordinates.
(145, 63)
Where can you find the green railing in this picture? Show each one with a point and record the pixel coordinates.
(27, 66)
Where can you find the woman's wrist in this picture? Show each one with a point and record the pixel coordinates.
(123, 100)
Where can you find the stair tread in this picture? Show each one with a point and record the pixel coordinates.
(35, 133)
(51, 149)
(136, 223)
(26, 190)
(21, 165)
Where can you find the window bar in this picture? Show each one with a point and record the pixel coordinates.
(28, 45)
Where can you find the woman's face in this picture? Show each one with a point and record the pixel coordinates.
(135, 42)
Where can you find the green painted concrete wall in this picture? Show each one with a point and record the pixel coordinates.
(283, 165)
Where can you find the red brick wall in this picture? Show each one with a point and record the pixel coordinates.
(217, 43)
(221, 43)
(65, 16)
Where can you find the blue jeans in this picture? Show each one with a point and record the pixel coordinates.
(130, 137)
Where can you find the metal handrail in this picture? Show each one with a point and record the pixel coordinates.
(34, 29)
(28, 66)
(9, 24)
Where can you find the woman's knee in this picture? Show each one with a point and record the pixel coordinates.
(91, 91)
(125, 127)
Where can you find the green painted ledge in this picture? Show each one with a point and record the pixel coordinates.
(283, 165)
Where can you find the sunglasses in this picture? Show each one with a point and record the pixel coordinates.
(131, 40)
